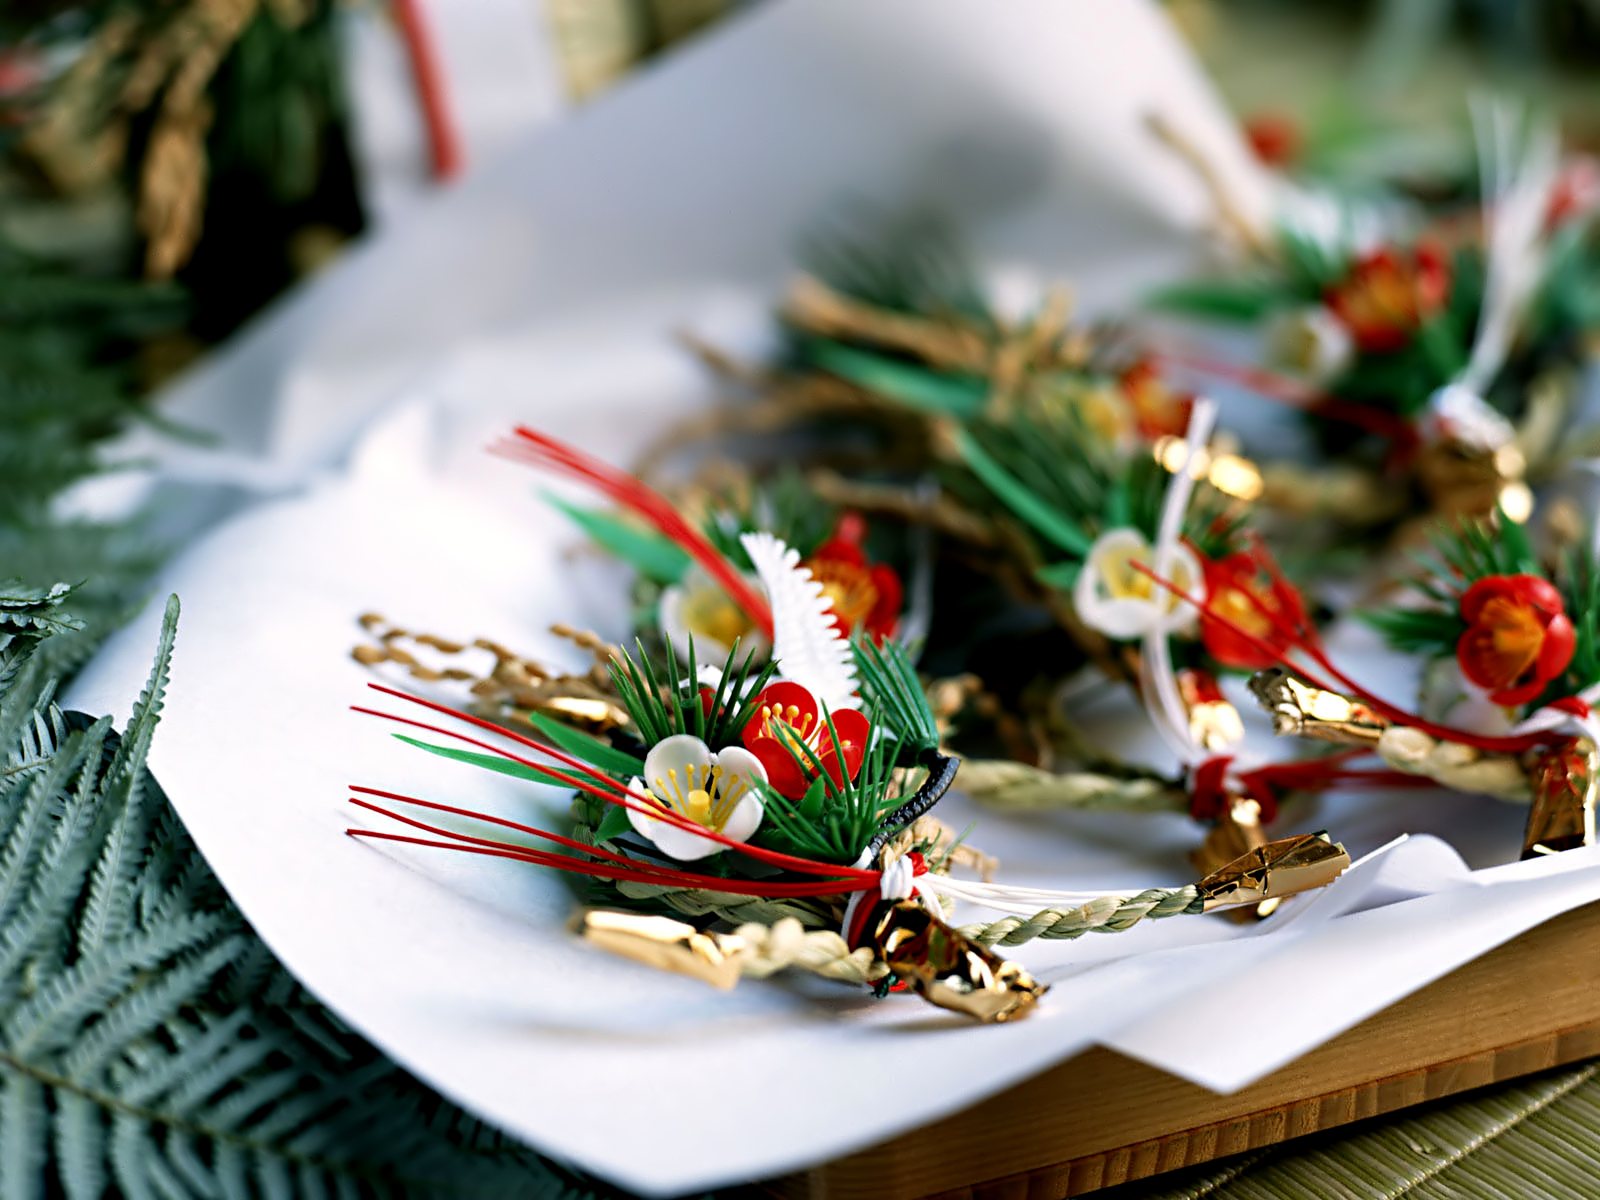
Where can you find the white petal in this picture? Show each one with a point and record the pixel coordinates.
(1115, 616)
(1182, 569)
(736, 760)
(745, 818)
(676, 754)
(1122, 618)
(643, 823)
(1123, 537)
(680, 843)
(675, 628)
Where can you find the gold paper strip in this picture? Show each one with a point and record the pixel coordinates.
(665, 944)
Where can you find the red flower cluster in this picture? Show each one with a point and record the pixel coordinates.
(1240, 590)
(1518, 636)
(789, 736)
(1389, 294)
(865, 596)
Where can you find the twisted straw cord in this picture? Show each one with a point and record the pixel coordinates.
(771, 948)
(1105, 914)
(732, 908)
(1454, 764)
(1014, 786)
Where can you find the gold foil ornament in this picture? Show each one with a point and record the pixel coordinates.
(1298, 708)
(668, 945)
(1275, 870)
(944, 966)
(1234, 834)
(1566, 786)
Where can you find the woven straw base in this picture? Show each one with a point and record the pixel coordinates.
(1101, 1119)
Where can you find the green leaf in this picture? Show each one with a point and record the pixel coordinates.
(614, 824)
(811, 803)
(1223, 300)
(493, 762)
(1046, 520)
(915, 387)
(587, 747)
(654, 556)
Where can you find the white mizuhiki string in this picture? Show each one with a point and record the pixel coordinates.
(1516, 191)
(1157, 678)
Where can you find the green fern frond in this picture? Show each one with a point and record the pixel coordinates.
(149, 1044)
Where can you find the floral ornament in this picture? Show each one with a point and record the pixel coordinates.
(700, 607)
(718, 791)
(1312, 342)
(1113, 597)
(1251, 599)
(1518, 636)
(1388, 294)
(1159, 410)
(865, 596)
(789, 735)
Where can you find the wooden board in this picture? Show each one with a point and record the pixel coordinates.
(1101, 1119)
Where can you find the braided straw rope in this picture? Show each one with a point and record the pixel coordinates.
(1017, 787)
(1105, 914)
(732, 908)
(1455, 765)
(772, 948)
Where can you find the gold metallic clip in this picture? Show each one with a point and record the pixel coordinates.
(1566, 786)
(664, 943)
(1234, 833)
(945, 967)
(1298, 708)
(1277, 869)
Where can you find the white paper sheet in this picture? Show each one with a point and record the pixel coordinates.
(546, 290)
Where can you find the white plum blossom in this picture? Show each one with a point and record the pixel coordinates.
(1313, 342)
(1123, 603)
(714, 790)
(698, 607)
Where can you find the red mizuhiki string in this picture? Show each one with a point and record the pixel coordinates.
(611, 866)
(601, 786)
(1341, 681)
(539, 450)
(444, 145)
(1297, 395)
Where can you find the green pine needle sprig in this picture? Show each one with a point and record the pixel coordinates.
(889, 686)
(660, 708)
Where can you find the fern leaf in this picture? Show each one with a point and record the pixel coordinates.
(180, 1060)
(188, 1164)
(806, 643)
(23, 1129)
(80, 1145)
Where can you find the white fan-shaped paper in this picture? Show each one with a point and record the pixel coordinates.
(807, 644)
